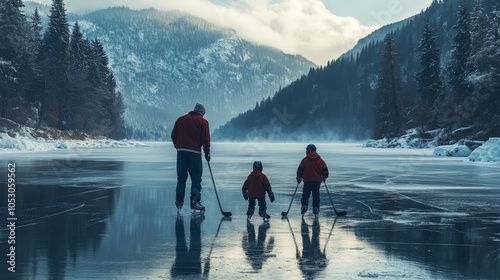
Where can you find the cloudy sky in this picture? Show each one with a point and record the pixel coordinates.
(320, 30)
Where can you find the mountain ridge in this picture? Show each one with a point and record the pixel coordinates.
(338, 101)
(166, 61)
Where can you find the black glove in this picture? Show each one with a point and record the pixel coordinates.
(299, 180)
(324, 180)
(271, 196)
(245, 196)
(207, 157)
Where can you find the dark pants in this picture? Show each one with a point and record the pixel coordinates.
(262, 203)
(308, 188)
(189, 162)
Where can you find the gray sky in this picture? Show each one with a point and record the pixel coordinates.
(320, 30)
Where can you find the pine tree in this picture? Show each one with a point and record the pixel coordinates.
(486, 77)
(107, 101)
(79, 87)
(430, 84)
(55, 61)
(460, 69)
(389, 116)
(16, 61)
(36, 29)
(33, 93)
(479, 27)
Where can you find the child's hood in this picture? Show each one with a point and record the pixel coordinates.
(256, 173)
(313, 156)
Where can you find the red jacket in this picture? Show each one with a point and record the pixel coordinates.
(257, 184)
(312, 168)
(190, 132)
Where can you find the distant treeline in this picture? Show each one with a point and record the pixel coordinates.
(59, 80)
(440, 70)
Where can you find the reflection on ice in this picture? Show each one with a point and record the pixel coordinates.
(258, 249)
(188, 260)
(313, 259)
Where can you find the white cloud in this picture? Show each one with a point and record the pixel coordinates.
(303, 27)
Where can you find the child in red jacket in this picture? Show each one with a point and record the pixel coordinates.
(313, 171)
(255, 187)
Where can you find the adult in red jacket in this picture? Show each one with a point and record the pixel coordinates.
(189, 134)
(313, 171)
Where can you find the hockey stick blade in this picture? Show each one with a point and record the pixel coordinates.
(341, 213)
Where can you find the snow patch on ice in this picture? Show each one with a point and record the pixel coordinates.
(488, 152)
(29, 143)
(453, 151)
(365, 274)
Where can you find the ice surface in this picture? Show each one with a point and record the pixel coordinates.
(109, 213)
(488, 152)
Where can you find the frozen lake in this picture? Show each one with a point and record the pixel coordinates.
(109, 214)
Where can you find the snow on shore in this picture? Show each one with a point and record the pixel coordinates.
(411, 140)
(453, 151)
(488, 152)
(29, 143)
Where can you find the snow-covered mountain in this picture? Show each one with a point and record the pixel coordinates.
(165, 62)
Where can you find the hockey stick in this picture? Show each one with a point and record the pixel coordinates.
(206, 270)
(286, 213)
(226, 214)
(341, 213)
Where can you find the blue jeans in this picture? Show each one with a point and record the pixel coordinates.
(189, 162)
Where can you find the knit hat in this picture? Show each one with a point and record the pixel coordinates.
(200, 108)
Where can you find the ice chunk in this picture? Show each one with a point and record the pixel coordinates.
(453, 151)
(488, 152)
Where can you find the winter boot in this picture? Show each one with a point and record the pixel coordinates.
(264, 216)
(179, 200)
(316, 211)
(196, 206)
(303, 210)
(250, 214)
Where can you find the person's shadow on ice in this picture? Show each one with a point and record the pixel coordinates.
(256, 250)
(187, 262)
(313, 260)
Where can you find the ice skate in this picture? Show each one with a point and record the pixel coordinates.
(249, 214)
(197, 208)
(264, 216)
(303, 210)
(316, 211)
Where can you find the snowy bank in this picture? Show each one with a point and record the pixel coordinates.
(411, 140)
(488, 152)
(456, 150)
(14, 136)
(29, 143)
